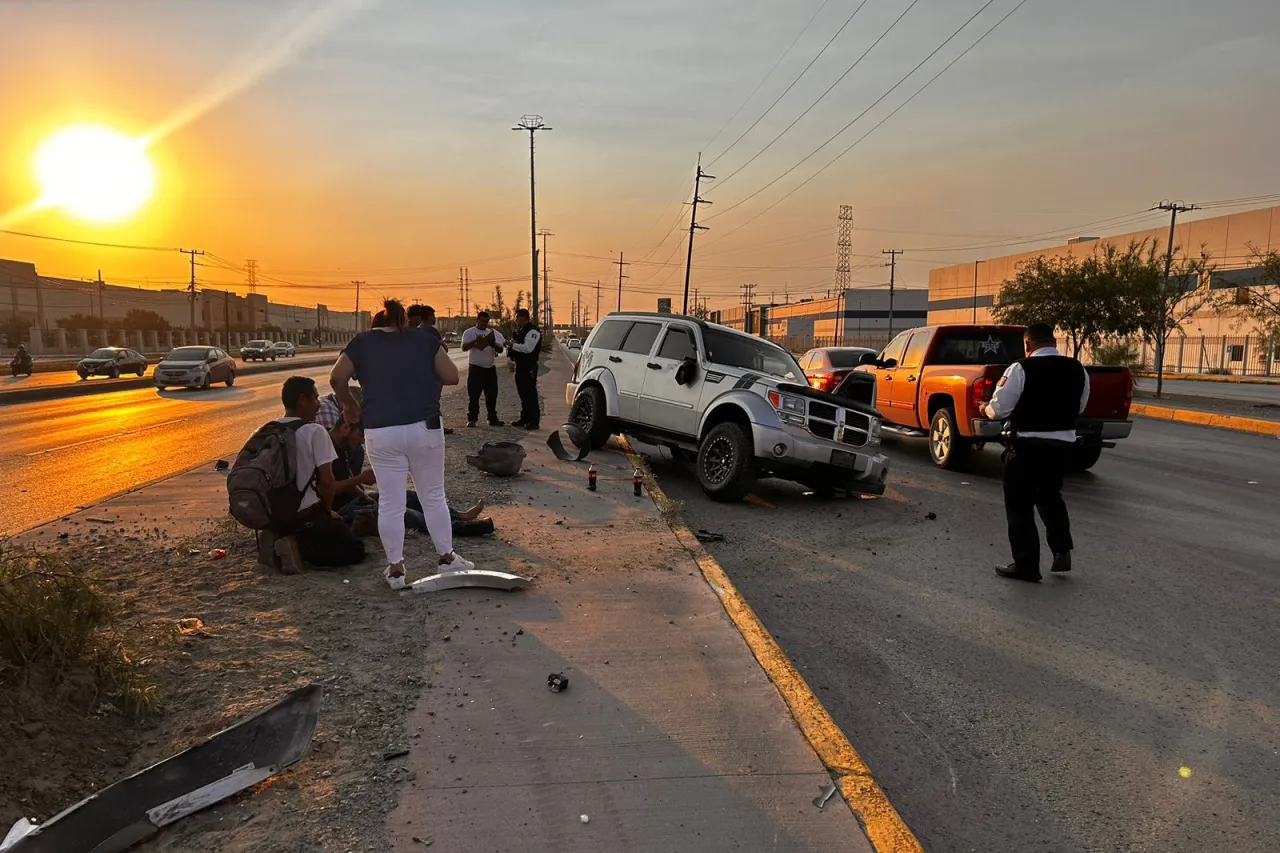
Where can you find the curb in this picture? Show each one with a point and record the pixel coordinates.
(1208, 419)
(82, 389)
(885, 828)
(1235, 380)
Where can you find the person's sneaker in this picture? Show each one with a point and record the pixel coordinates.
(1061, 562)
(496, 423)
(289, 556)
(1012, 572)
(457, 563)
(471, 424)
(518, 424)
(395, 581)
(448, 430)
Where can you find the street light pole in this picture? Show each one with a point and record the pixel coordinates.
(532, 123)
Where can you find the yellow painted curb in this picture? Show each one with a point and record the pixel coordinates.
(1237, 380)
(1187, 416)
(864, 796)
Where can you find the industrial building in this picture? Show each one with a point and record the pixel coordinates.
(856, 317)
(964, 293)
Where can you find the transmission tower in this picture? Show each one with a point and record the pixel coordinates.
(844, 245)
(251, 274)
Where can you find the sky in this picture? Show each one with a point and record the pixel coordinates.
(371, 139)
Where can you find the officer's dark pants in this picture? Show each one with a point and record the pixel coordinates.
(527, 388)
(1033, 481)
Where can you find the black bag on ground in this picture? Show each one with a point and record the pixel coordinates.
(262, 486)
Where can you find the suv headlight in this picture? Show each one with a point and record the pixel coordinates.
(790, 408)
(873, 436)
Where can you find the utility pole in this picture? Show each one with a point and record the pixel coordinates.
(226, 315)
(748, 295)
(467, 274)
(597, 299)
(251, 274)
(1174, 208)
(620, 263)
(546, 285)
(893, 268)
(695, 300)
(975, 292)
(694, 227)
(357, 322)
(191, 288)
(102, 312)
(462, 295)
(533, 124)
(577, 315)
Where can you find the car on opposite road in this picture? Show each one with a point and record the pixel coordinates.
(826, 367)
(285, 349)
(934, 381)
(258, 351)
(112, 362)
(195, 367)
(739, 403)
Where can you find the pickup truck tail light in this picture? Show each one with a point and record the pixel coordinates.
(985, 386)
(1128, 396)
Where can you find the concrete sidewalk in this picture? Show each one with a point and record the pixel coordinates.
(669, 737)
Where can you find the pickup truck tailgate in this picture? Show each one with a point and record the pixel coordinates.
(1110, 393)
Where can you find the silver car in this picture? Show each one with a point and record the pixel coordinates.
(284, 349)
(195, 367)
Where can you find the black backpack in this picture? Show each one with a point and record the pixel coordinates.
(262, 486)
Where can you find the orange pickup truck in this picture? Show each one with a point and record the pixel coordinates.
(935, 381)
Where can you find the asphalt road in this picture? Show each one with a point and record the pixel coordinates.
(1244, 391)
(59, 455)
(69, 377)
(1130, 706)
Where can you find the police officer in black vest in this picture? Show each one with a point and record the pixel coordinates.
(524, 349)
(1039, 398)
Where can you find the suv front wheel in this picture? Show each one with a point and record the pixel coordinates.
(726, 463)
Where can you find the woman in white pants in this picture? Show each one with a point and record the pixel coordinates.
(402, 371)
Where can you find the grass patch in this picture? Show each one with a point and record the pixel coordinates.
(54, 621)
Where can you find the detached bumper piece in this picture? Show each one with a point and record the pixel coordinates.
(471, 578)
(134, 809)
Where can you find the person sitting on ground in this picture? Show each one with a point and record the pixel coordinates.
(357, 509)
(330, 416)
(317, 537)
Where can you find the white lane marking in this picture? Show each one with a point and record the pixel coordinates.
(106, 437)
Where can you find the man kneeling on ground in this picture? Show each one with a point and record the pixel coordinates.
(318, 536)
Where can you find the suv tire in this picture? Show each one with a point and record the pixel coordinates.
(589, 413)
(947, 448)
(726, 463)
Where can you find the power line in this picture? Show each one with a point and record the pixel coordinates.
(88, 242)
(873, 105)
(846, 73)
(766, 77)
(792, 86)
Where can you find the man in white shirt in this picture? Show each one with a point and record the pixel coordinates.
(482, 343)
(318, 537)
(1040, 397)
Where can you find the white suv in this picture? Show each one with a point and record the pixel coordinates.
(739, 402)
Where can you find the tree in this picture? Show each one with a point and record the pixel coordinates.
(15, 330)
(142, 320)
(81, 321)
(1157, 292)
(1259, 299)
(1071, 293)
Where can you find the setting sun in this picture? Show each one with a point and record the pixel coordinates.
(94, 173)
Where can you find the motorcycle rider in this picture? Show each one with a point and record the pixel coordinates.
(21, 361)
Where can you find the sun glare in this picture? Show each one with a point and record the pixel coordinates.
(94, 173)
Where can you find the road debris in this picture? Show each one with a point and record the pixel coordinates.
(392, 754)
(828, 792)
(500, 458)
(931, 516)
(218, 553)
(576, 436)
(708, 536)
(221, 465)
(471, 578)
(557, 683)
(584, 818)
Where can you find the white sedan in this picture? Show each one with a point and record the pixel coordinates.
(284, 349)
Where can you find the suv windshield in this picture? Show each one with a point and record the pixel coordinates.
(259, 344)
(103, 353)
(188, 354)
(750, 354)
(978, 347)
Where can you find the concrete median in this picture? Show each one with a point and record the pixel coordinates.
(103, 386)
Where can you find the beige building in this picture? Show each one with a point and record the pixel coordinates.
(964, 293)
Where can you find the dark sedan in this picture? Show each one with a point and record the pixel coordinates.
(112, 362)
(827, 366)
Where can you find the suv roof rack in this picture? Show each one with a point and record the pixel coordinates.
(658, 314)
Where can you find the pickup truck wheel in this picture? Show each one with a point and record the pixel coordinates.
(947, 447)
(726, 463)
(1084, 457)
(591, 415)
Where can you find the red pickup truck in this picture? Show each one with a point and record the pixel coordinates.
(935, 381)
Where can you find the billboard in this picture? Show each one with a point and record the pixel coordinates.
(664, 306)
